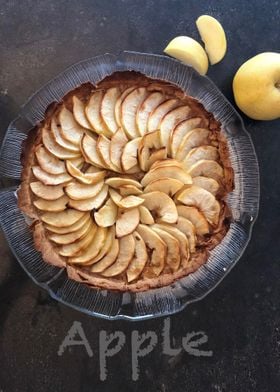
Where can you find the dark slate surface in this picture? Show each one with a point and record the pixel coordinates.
(241, 317)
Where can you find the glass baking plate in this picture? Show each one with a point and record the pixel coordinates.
(243, 201)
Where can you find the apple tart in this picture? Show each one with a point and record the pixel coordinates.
(126, 183)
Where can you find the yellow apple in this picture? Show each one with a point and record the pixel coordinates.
(256, 86)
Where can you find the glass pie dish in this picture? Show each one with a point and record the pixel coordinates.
(243, 200)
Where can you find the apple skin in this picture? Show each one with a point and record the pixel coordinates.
(256, 86)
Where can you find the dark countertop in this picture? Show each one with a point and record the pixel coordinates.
(241, 317)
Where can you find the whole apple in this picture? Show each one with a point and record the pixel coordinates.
(256, 86)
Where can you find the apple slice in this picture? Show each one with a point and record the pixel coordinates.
(162, 205)
(129, 157)
(48, 161)
(125, 202)
(150, 141)
(55, 149)
(107, 215)
(108, 108)
(70, 250)
(129, 109)
(62, 219)
(201, 152)
(69, 238)
(196, 217)
(173, 257)
(108, 259)
(207, 168)
(50, 179)
(117, 182)
(126, 253)
(77, 191)
(86, 254)
(186, 227)
(207, 183)
(213, 36)
(107, 246)
(145, 216)
(166, 171)
(158, 250)
(139, 259)
(146, 108)
(202, 199)
(127, 221)
(167, 162)
(84, 178)
(103, 149)
(70, 129)
(170, 186)
(93, 113)
(51, 205)
(177, 134)
(79, 113)
(194, 138)
(117, 145)
(89, 151)
(57, 136)
(159, 112)
(118, 104)
(157, 155)
(70, 229)
(127, 190)
(47, 192)
(92, 203)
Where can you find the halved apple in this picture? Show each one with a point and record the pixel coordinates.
(196, 217)
(127, 190)
(48, 161)
(207, 183)
(146, 108)
(157, 155)
(92, 203)
(125, 202)
(194, 138)
(159, 112)
(139, 260)
(173, 257)
(166, 171)
(129, 109)
(129, 157)
(54, 148)
(118, 182)
(202, 199)
(158, 250)
(69, 229)
(150, 141)
(117, 145)
(59, 139)
(107, 215)
(162, 206)
(177, 134)
(107, 259)
(47, 192)
(127, 221)
(69, 238)
(70, 250)
(167, 185)
(118, 104)
(186, 227)
(108, 108)
(70, 129)
(62, 219)
(51, 205)
(201, 152)
(93, 113)
(89, 151)
(77, 191)
(103, 149)
(79, 113)
(206, 168)
(145, 216)
(50, 179)
(84, 178)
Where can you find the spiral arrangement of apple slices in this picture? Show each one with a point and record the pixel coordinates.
(126, 182)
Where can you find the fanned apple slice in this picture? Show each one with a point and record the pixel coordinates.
(169, 122)
(50, 179)
(126, 253)
(70, 229)
(133, 170)
(173, 257)
(196, 217)
(207, 183)
(56, 133)
(70, 129)
(118, 142)
(55, 149)
(118, 104)
(158, 250)
(48, 161)
(51, 205)
(166, 171)
(92, 203)
(202, 152)
(157, 155)
(162, 205)
(159, 112)
(108, 108)
(145, 216)
(106, 216)
(127, 190)
(77, 191)
(103, 149)
(70, 250)
(180, 131)
(62, 219)
(129, 109)
(146, 108)
(167, 162)
(150, 141)
(47, 192)
(207, 168)
(106, 247)
(194, 138)
(129, 157)
(202, 199)
(84, 178)
(125, 202)
(127, 221)
(89, 151)
(108, 259)
(93, 113)
(183, 241)
(186, 227)
(170, 186)
(69, 238)
(139, 259)
(117, 182)
(79, 113)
